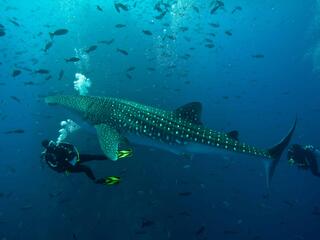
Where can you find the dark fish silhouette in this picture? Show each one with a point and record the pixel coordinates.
(131, 69)
(15, 73)
(14, 22)
(47, 46)
(2, 31)
(209, 45)
(200, 231)
(42, 71)
(184, 29)
(147, 32)
(99, 8)
(124, 52)
(258, 55)
(146, 223)
(61, 73)
(59, 32)
(217, 6)
(108, 42)
(228, 32)
(237, 8)
(128, 76)
(91, 48)
(215, 25)
(160, 16)
(72, 59)
(119, 25)
(14, 131)
(196, 9)
(15, 99)
(28, 83)
(120, 6)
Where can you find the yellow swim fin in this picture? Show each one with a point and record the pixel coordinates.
(112, 180)
(125, 153)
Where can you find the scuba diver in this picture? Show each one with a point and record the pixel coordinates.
(304, 157)
(64, 157)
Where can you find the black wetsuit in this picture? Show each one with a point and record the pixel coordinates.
(64, 157)
(304, 158)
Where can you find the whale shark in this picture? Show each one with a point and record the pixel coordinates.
(180, 131)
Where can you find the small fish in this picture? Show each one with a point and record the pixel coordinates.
(72, 59)
(28, 83)
(124, 52)
(14, 22)
(61, 73)
(128, 76)
(26, 207)
(147, 32)
(2, 31)
(99, 8)
(184, 29)
(108, 42)
(120, 6)
(15, 131)
(209, 45)
(237, 8)
(151, 69)
(228, 32)
(42, 71)
(48, 78)
(171, 37)
(47, 46)
(146, 223)
(91, 48)
(259, 55)
(214, 25)
(15, 99)
(131, 69)
(217, 6)
(196, 9)
(162, 14)
(120, 25)
(59, 32)
(74, 236)
(16, 73)
(200, 231)
(185, 194)
(25, 68)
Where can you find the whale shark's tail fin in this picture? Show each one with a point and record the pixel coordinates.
(276, 152)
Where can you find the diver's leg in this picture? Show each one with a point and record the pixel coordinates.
(314, 166)
(90, 157)
(82, 168)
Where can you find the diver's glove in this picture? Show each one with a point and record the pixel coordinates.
(111, 180)
(125, 153)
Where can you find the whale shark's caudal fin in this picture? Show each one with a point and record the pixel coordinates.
(276, 152)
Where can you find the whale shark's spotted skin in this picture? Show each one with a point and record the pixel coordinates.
(160, 125)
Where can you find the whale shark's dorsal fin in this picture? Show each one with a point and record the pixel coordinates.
(109, 140)
(191, 112)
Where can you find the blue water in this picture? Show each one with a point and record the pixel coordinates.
(259, 97)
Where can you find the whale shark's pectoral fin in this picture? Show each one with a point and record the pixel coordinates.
(109, 139)
(191, 112)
